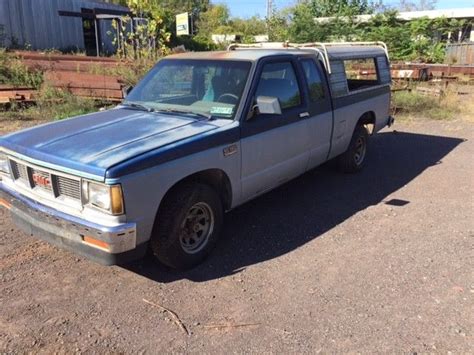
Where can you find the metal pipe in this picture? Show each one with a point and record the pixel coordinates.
(96, 37)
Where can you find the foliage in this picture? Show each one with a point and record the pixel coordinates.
(149, 37)
(420, 39)
(52, 104)
(14, 72)
(278, 26)
(326, 8)
(412, 103)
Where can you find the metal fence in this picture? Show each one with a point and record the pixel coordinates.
(460, 53)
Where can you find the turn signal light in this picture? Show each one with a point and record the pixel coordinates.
(96, 243)
(5, 203)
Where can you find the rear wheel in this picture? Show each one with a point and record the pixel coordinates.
(187, 226)
(353, 159)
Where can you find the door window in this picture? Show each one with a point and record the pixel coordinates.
(279, 80)
(314, 80)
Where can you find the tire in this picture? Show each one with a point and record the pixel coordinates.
(187, 226)
(353, 159)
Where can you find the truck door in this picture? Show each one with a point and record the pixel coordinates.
(275, 148)
(320, 116)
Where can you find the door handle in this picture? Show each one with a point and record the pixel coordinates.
(304, 114)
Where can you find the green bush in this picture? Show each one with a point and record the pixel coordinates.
(14, 72)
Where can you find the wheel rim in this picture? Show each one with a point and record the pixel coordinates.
(196, 228)
(360, 150)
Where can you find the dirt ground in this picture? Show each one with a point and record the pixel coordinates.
(381, 261)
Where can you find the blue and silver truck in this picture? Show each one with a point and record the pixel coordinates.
(200, 134)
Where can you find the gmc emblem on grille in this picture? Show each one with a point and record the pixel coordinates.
(41, 180)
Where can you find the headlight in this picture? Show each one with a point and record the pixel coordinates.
(105, 197)
(4, 166)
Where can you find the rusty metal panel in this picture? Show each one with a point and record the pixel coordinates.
(460, 53)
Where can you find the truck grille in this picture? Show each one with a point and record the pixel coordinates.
(69, 187)
(56, 185)
(20, 172)
(41, 180)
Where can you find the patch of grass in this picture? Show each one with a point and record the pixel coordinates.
(53, 104)
(411, 103)
(129, 72)
(14, 72)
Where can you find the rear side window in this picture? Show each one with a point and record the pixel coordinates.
(314, 80)
(361, 73)
(279, 80)
(384, 70)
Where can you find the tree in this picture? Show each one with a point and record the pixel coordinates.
(149, 37)
(330, 8)
(215, 20)
(342, 25)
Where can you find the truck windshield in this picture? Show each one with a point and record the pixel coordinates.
(211, 88)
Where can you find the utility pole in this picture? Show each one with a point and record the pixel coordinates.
(269, 8)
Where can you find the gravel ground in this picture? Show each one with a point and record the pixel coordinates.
(380, 261)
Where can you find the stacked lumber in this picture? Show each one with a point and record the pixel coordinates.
(10, 94)
(72, 73)
(92, 86)
(64, 62)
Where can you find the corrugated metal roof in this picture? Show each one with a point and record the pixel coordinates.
(461, 13)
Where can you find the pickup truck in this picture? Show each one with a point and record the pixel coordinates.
(200, 134)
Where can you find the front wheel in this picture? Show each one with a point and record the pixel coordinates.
(187, 226)
(353, 159)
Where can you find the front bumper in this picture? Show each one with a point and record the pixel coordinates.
(68, 232)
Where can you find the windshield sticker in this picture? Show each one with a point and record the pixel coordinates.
(219, 110)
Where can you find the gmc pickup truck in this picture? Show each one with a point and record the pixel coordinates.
(201, 134)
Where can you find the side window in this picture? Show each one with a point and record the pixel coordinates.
(384, 70)
(314, 80)
(279, 80)
(361, 73)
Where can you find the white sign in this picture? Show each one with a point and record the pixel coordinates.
(182, 24)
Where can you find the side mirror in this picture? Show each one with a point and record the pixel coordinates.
(126, 90)
(268, 105)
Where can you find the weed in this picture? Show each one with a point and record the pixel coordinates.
(412, 103)
(14, 72)
(54, 104)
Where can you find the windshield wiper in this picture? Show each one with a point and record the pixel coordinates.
(138, 106)
(185, 112)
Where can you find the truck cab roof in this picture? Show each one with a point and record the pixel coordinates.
(252, 55)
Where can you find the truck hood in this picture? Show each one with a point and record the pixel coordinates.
(90, 144)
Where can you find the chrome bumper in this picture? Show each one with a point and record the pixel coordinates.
(69, 231)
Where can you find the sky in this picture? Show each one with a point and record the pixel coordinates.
(247, 8)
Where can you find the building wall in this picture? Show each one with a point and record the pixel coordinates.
(36, 24)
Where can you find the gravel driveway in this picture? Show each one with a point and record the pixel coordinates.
(380, 261)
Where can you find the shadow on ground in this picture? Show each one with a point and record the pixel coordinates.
(307, 207)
